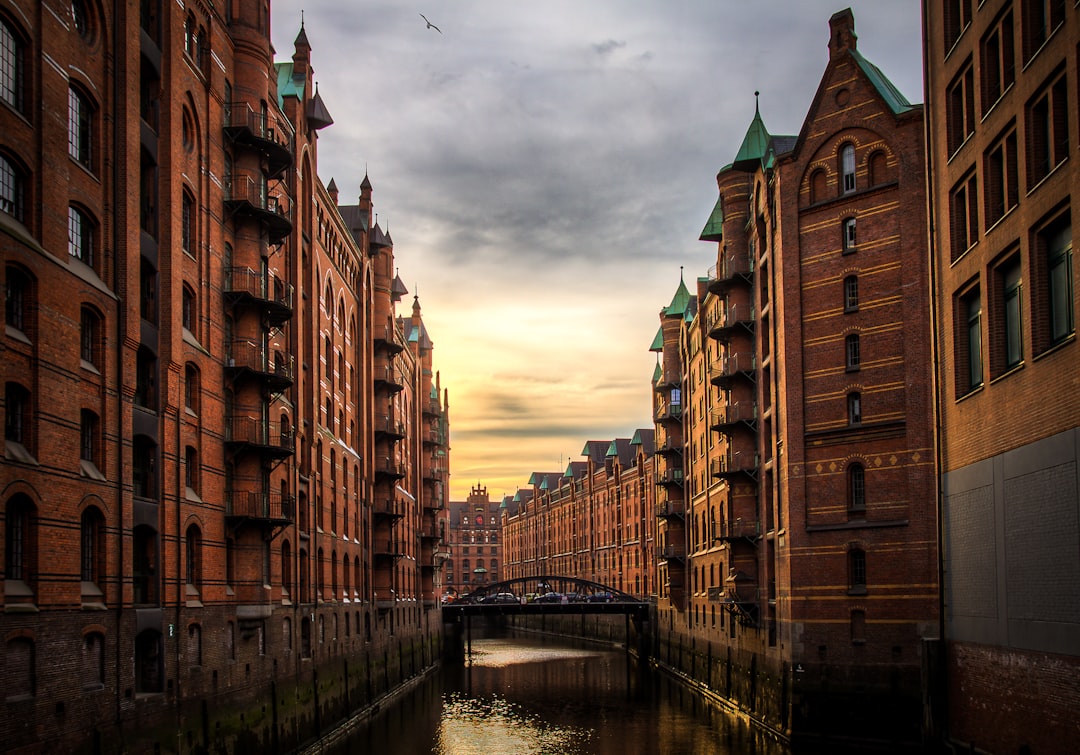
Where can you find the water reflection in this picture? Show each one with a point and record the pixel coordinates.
(539, 697)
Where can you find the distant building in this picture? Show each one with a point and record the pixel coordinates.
(1004, 125)
(474, 543)
(593, 522)
(798, 533)
(224, 447)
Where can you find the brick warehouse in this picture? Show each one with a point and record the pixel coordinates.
(225, 449)
(1002, 92)
(797, 537)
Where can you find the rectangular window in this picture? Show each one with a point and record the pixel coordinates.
(969, 361)
(957, 18)
(1041, 18)
(88, 334)
(963, 216)
(1010, 339)
(998, 61)
(960, 107)
(1047, 130)
(1002, 186)
(187, 220)
(1053, 266)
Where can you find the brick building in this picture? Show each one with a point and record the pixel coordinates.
(593, 522)
(225, 450)
(801, 371)
(474, 543)
(1004, 125)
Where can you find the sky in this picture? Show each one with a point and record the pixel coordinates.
(545, 170)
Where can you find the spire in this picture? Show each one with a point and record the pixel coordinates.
(681, 300)
(755, 144)
(317, 115)
(332, 190)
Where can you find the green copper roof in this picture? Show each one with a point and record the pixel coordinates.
(754, 144)
(680, 301)
(896, 101)
(612, 450)
(287, 86)
(636, 440)
(658, 341)
(657, 373)
(714, 227)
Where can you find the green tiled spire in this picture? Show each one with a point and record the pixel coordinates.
(754, 144)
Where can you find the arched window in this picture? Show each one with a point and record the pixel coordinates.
(80, 127)
(20, 541)
(19, 418)
(12, 188)
(193, 556)
(879, 168)
(81, 237)
(818, 183)
(91, 541)
(851, 352)
(90, 336)
(854, 408)
(851, 293)
(847, 168)
(187, 223)
(18, 298)
(147, 291)
(189, 316)
(286, 567)
(856, 486)
(12, 66)
(191, 388)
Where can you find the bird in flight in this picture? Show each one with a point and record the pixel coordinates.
(430, 25)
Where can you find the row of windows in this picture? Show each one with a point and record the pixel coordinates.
(1046, 137)
(877, 173)
(1039, 20)
(1016, 327)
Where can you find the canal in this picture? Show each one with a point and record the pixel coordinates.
(531, 695)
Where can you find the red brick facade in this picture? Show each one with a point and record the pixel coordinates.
(225, 450)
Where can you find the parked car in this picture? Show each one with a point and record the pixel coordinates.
(500, 597)
(549, 597)
(600, 597)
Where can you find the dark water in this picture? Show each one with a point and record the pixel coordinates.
(531, 696)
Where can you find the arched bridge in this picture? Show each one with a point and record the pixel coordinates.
(547, 594)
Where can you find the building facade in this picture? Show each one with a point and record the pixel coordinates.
(801, 369)
(1004, 125)
(225, 450)
(592, 522)
(474, 544)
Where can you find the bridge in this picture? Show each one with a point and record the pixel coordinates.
(541, 595)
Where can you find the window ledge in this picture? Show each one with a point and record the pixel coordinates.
(191, 495)
(89, 366)
(1012, 370)
(14, 451)
(87, 468)
(1067, 340)
(860, 590)
(12, 332)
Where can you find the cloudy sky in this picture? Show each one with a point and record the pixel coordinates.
(545, 169)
